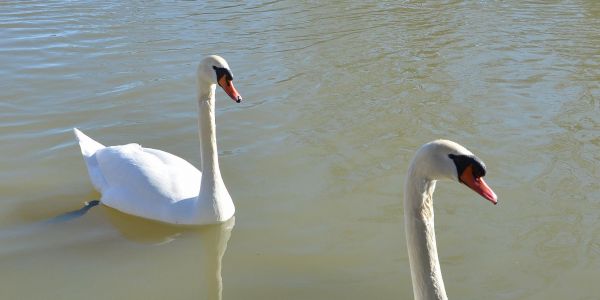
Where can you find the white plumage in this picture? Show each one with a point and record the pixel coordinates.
(157, 185)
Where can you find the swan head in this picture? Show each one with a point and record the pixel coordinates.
(213, 70)
(444, 159)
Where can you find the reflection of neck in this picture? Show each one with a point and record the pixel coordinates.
(420, 237)
(215, 243)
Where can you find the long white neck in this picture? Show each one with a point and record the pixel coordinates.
(420, 237)
(208, 135)
(213, 198)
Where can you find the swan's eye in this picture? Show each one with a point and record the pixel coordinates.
(463, 161)
(220, 72)
(478, 170)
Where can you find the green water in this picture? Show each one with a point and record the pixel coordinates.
(337, 98)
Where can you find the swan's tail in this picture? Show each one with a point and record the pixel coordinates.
(87, 144)
(88, 149)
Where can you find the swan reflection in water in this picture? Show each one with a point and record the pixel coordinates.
(176, 260)
(204, 246)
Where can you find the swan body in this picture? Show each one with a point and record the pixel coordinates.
(437, 160)
(157, 185)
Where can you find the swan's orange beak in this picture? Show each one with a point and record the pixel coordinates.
(478, 185)
(227, 86)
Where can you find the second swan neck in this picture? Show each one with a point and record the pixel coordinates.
(420, 238)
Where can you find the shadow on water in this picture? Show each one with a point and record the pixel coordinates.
(132, 228)
(196, 251)
(60, 231)
(71, 215)
(40, 225)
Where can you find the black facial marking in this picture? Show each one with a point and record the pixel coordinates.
(223, 72)
(463, 161)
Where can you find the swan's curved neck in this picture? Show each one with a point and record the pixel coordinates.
(208, 135)
(420, 237)
(213, 203)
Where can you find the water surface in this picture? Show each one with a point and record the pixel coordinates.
(338, 97)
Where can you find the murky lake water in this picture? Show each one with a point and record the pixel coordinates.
(338, 97)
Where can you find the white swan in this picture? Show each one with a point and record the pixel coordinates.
(440, 159)
(157, 185)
